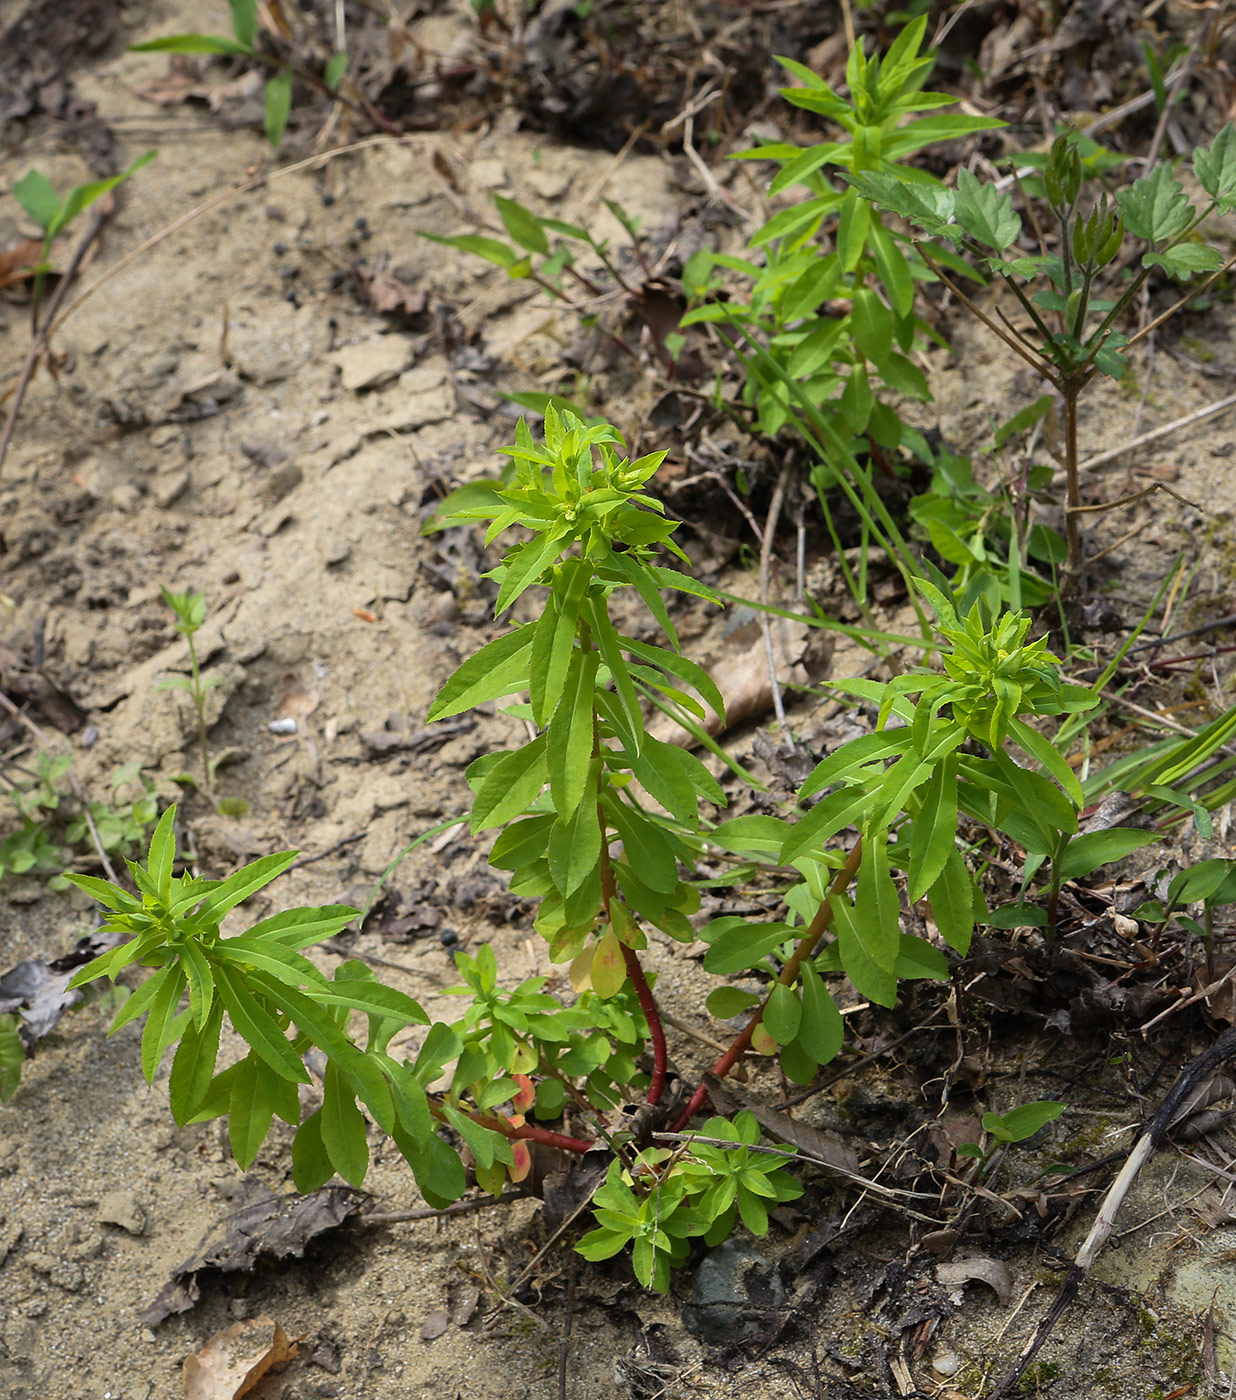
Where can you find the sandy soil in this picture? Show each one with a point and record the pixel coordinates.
(227, 416)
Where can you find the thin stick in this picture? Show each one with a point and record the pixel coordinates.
(397, 1217)
(38, 341)
(766, 545)
(1222, 1049)
(1197, 416)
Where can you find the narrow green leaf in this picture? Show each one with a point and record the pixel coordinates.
(935, 829)
(201, 984)
(608, 643)
(343, 1129)
(191, 43)
(647, 848)
(878, 925)
(332, 75)
(555, 639)
(244, 21)
(736, 945)
(569, 738)
(681, 667)
(160, 1029)
(250, 1110)
(256, 1026)
(108, 895)
(311, 1164)
(525, 565)
(499, 668)
(834, 813)
(277, 959)
(243, 883)
(869, 978)
(511, 785)
(162, 853)
(193, 1067)
(574, 848)
(298, 928)
(522, 224)
(1088, 852)
(12, 1057)
(278, 104)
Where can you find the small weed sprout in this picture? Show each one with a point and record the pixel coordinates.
(190, 610)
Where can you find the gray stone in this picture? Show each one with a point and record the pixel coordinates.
(372, 362)
(124, 1209)
(736, 1297)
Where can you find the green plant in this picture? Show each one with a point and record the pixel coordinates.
(590, 776)
(1073, 332)
(37, 196)
(190, 610)
(55, 822)
(278, 92)
(1016, 1125)
(544, 251)
(12, 1057)
(849, 362)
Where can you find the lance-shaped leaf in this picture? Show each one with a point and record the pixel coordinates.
(239, 886)
(935, 828)
(877, 922)
(161, 1021)
(525, 566)
(193, 1067)
(256, 1026)
(511, 785)
(343, 1129)
(952, 902)
(570, 736)
(821, 1030)
(783, 1013)
(250, 1109)
(499, 668)
(554, 640)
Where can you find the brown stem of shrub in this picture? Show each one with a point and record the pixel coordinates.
(806, 946)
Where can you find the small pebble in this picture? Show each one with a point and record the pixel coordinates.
(282, 726)
(946, 1363)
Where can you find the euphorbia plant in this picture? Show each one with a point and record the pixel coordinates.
(591, 777)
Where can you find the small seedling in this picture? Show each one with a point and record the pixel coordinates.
(190, 610)
(37, 196)
(244, 44)
(1017, 1125)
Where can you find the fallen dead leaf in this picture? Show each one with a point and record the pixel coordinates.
(261, 1223)
(297, 701)
(740, 670)
(18, 260)
(956, 1273)
(233, 1361)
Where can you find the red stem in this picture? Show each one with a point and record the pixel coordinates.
(648, 1005)
(524, 1131)
(806, 946)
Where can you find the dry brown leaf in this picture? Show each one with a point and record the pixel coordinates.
(18, 260)
(183, 81)
(389, 295)
(993, 1272)
(740, 671)
(234, 1360)
(297, 701)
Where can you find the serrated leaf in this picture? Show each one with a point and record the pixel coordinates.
(1155, 208)
(1185, 259)
(985, 214)
(1215, 167)
(499, 668)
